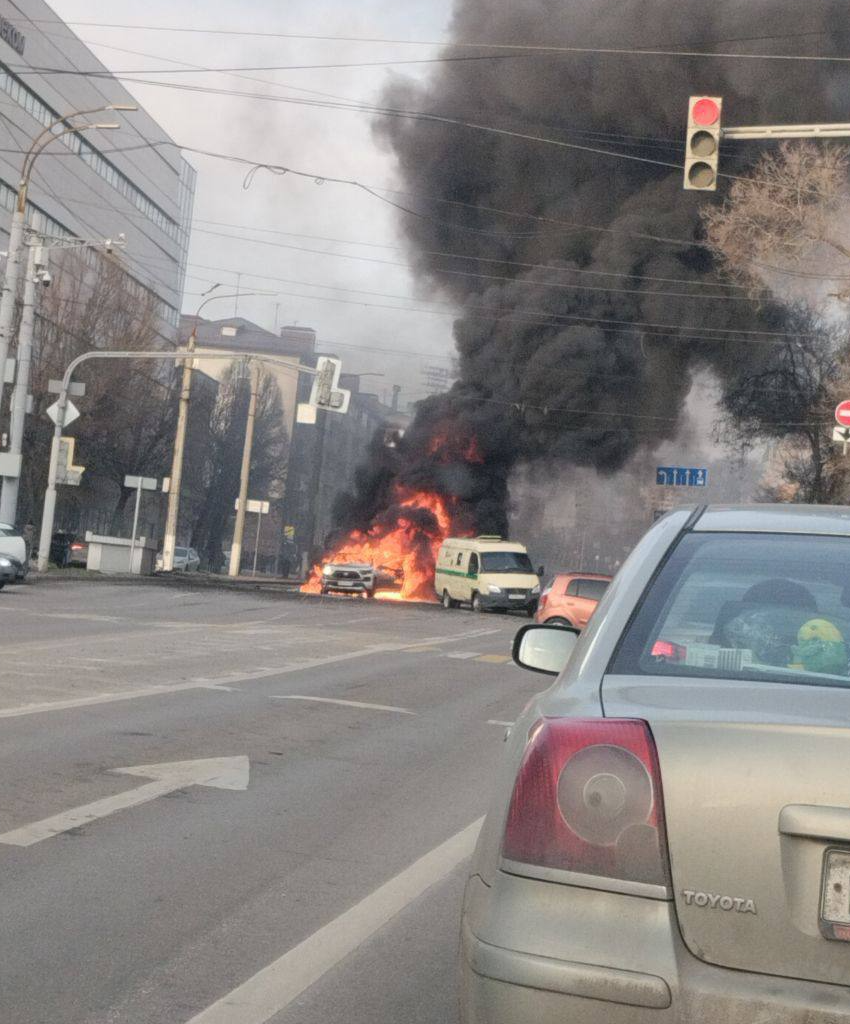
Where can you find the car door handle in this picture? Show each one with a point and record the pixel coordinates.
(815, 822)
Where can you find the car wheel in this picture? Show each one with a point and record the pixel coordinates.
(2, 584)
(447, 601)
(558, 621)
(476, 602)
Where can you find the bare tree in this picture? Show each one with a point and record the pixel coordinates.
(129, 410)
(785, 220)
(784, 401)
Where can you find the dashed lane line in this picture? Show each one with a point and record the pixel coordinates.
(347, 703)
(222, 682)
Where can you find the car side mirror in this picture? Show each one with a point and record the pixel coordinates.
(542, 648)
(541, 571)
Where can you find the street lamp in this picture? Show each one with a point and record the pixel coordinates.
(169, 541)
(12, 273)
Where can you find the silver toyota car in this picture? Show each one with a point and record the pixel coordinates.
(671, 836)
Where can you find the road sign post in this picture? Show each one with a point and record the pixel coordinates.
(260, 508)
(139, 484)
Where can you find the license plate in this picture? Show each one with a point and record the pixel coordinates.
(835, 899)
(517, 597)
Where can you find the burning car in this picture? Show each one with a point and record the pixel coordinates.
(359, 578)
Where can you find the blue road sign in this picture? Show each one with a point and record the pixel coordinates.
(681, 476)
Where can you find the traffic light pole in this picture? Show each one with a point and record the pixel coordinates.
(49, 511)
(788, 131)
(704, 132)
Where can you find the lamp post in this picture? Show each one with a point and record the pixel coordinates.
(12, 274)
(169, 541)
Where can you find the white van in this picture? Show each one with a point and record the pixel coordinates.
(487, 573)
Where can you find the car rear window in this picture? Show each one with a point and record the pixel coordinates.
(593, 589)
(769, 607)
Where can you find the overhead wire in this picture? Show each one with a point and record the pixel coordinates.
(538, 48)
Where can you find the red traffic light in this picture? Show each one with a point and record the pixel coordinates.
(705, 112)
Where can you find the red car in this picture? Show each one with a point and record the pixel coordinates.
(571, 598)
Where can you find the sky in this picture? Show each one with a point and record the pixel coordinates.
(318, 140)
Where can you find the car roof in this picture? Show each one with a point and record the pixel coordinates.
(829, 520)
(564, 574)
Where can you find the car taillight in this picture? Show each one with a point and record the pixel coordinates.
(588, 799)
(544, 597)
(669, 651)
(76, 547)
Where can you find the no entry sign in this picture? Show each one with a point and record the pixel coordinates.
(842, 413)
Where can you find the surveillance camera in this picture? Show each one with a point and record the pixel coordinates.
(45, 278)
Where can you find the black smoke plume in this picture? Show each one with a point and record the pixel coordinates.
(549, 370)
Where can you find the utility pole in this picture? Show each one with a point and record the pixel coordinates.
(20, 396)
(239, 528)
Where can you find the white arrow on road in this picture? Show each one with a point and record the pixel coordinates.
(218, 772)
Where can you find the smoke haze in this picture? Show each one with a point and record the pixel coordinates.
(554, 366)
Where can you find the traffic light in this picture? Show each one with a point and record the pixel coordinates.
(66, 472)
(326, 394)
(702, 143)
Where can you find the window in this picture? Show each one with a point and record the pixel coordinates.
(592, 589)
(766, 607)
(572, 588)
(506, 561)
(33, 104)
(459, 558)
(473, 564)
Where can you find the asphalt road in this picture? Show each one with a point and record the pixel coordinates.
(310, 873)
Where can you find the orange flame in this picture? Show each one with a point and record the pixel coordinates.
(446, 447)
(403, 545)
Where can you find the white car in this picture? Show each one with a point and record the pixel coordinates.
(185, 560)
(14, 546)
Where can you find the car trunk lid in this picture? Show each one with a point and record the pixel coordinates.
(757, 797)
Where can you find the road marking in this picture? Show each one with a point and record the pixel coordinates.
(495, 721)
(275, 987)
(463, 655)
(217, 772)
(495, 659)
(423, 650)
(347, 703)
(222, 682)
